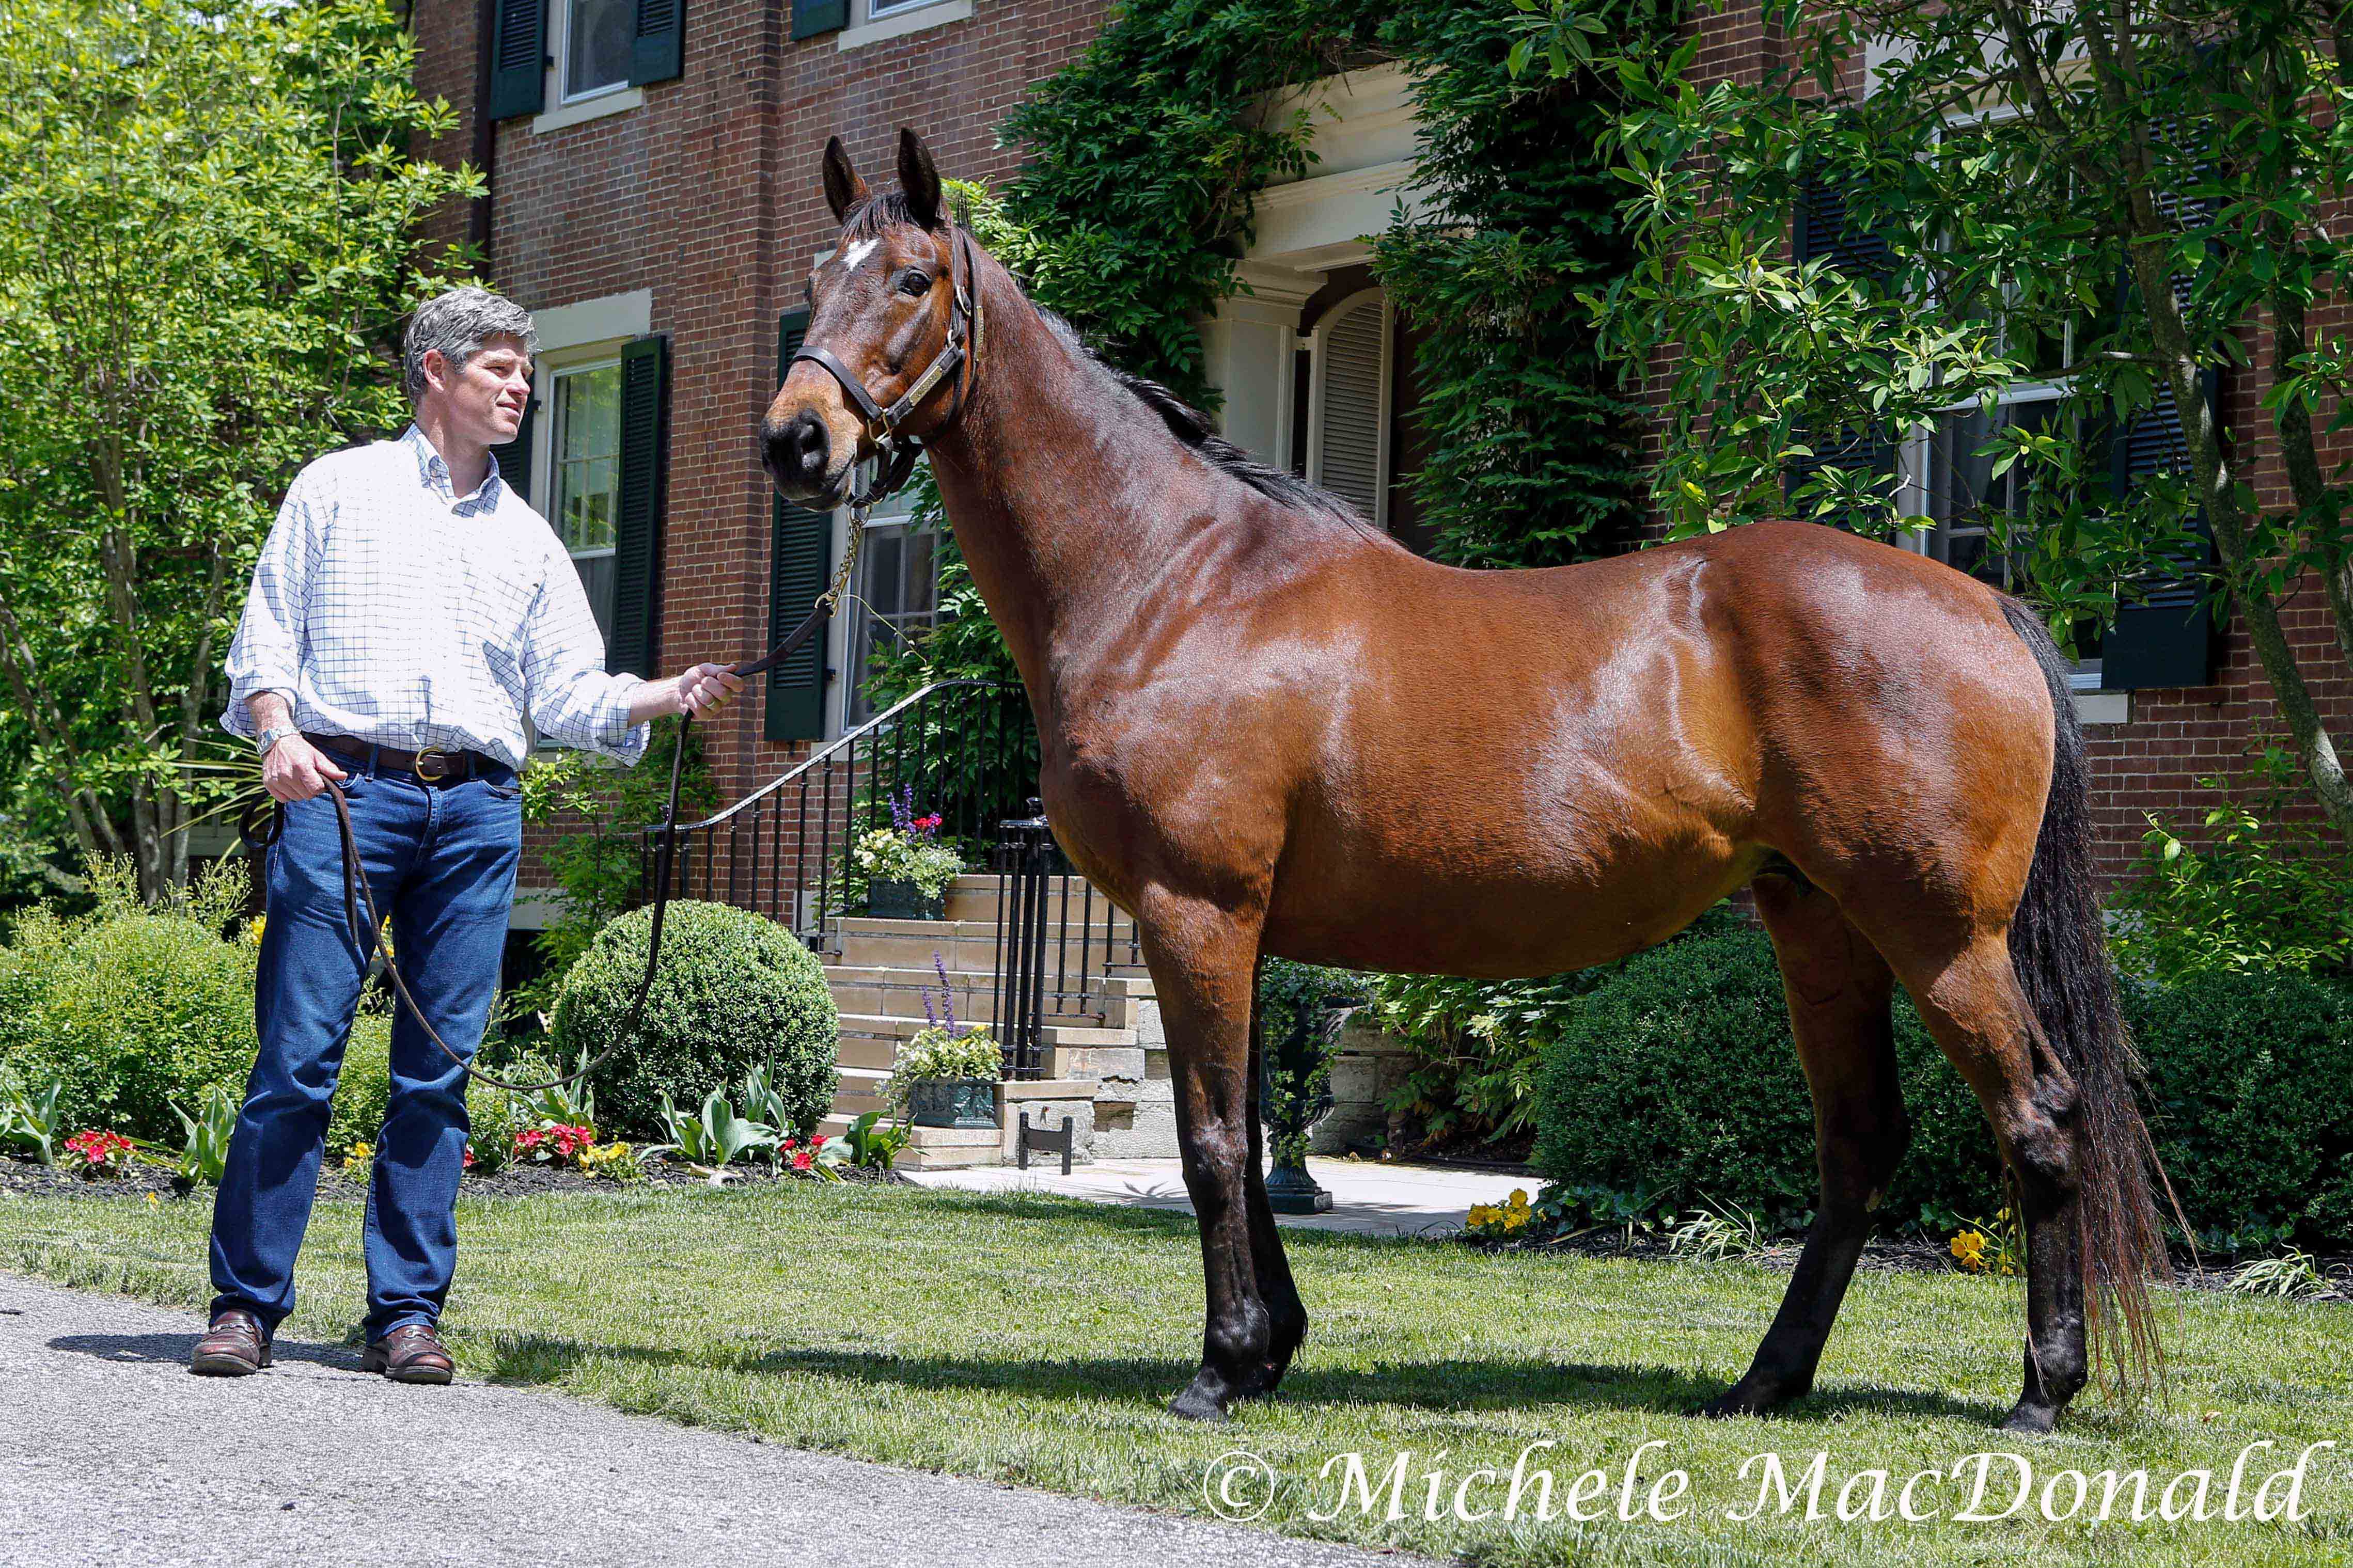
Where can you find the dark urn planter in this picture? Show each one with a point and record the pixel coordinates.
(966, 1103)
(902, 901)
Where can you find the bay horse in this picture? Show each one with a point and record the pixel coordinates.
(1268, 729)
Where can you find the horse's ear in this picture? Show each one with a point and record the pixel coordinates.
(919, 180)
(845, 193)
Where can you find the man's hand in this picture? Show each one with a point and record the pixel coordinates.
(296, 770)
(705, 689)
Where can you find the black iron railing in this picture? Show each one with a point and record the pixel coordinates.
(964, 748)
(1057, 940)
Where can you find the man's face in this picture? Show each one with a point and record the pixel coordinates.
(483, 402)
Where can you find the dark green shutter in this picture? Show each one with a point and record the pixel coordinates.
(811, 17)
(660, 51)
(1819, 229)
(2168, 636)
(800, 559)
(636, 535)
(514, 457)
(519, 58)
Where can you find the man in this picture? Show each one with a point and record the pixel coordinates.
(409, 616)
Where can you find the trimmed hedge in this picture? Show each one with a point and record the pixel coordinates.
(1677, 1074)
(732, 990)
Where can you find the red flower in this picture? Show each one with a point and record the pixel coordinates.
(469, 1162)
(928, 824)
(803, 1159)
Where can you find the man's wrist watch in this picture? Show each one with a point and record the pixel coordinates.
(270, 737)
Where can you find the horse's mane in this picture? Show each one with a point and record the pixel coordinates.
(1188, 425)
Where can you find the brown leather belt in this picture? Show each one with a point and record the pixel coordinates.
(429, 766)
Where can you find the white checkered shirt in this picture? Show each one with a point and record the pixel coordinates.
(387, 609)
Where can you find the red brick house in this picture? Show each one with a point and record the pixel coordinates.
(654, 201)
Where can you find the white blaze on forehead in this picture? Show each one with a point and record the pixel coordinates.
(858, 253)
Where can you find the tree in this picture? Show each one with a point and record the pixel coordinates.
(2113, 200)
(207, 239)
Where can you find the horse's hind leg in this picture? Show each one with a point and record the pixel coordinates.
(1204, 961)
(1839, 990)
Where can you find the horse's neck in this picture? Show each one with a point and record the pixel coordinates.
(1041, 477)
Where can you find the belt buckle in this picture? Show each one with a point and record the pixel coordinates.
(433, 766)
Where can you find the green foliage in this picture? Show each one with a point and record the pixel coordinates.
(1676, 1074)
(1480, 1043)
(939, 1053)
(596, 857)
(2269, 890)
(714, 1135)
(133, 1008)
(732, 990)
(203, 1148)
(363, 1083)
(1297, 1013)
(209, 233)
(872, 1143)
(1676, 1078)
(2251, 1084)
(30, 1117)
(887, 854)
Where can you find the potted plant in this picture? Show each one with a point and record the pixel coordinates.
(906, 867)
(945, 1074)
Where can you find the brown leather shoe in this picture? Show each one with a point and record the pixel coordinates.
(412, 1353)
(235, 1344)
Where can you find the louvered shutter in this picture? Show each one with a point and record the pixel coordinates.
(2168, 637)
(811, 17)
(659, 52)
(514, 457)
(800, 559)
(519, 58)
(1821, 230)
(1349, 426)
(637, 535)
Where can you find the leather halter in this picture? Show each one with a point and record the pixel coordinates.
(895, 450)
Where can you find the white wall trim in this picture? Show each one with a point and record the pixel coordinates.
(608, 318)
(2103, 707)
(587, 108)
(900, 24)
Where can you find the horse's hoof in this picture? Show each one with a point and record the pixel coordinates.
(2031, 1417)
(1741, 1400)
(1194, 1405)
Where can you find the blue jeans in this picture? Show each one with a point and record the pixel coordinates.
(441, 863)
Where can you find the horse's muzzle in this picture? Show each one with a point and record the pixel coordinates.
(798, 454)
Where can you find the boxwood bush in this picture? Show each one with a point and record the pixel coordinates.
(732, 990)
(133, 1007)
(1676, 1075)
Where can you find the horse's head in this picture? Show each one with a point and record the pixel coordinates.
(884, 311)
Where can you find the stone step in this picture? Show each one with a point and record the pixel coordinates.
(1114, 1003)
(885, 1026)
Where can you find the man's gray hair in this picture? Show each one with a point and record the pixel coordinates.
(458, 324)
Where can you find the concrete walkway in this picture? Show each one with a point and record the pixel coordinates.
(112, 1453)
(1376, 1199)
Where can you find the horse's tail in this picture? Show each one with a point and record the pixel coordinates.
(2059, 949)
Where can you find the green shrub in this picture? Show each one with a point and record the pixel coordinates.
(2251, 1083)
(364, 1092)
(733, 989)
(1677, 1074)
(133, 1006)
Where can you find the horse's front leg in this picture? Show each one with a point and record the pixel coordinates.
(1203, 958)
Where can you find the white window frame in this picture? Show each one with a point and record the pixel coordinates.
(571, 108)
(879, 21)
(1318, 362)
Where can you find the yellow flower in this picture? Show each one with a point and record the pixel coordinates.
(253, 929)
(1482, 1213)
(1519, 1198)
(1969, 1248)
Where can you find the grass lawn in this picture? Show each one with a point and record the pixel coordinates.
(1034, 1340)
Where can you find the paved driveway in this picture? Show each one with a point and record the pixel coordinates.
(1367, 1196)
(111, 1453)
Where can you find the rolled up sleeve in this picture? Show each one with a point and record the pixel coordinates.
(574, 700)
(266, 655)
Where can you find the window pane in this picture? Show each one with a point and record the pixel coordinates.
(899, 592)
(1964, 494)
(587, 462)
(598, 44)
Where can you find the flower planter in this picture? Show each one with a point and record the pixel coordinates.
(966, 1103)
(889, 900)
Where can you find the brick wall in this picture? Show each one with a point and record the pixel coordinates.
(708, 194)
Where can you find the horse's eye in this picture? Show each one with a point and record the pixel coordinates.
(914, 283)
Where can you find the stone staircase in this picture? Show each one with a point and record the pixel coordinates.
(1106, 1064)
